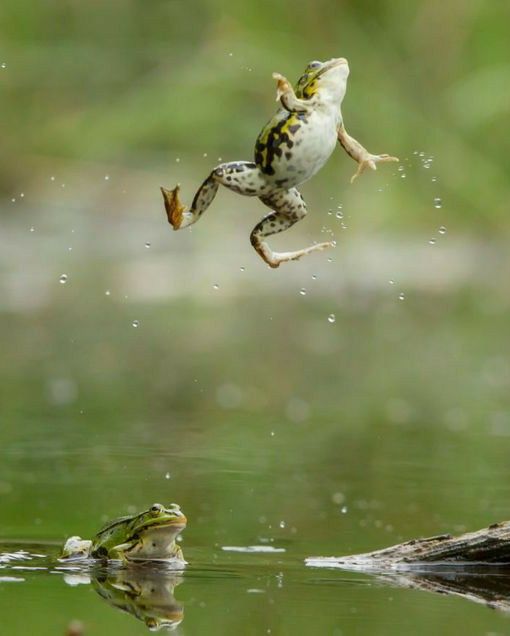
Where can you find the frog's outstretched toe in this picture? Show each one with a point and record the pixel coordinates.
(174, 208)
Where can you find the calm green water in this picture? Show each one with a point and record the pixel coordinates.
(271, 427)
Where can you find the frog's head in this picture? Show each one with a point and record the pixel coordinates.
(158, 517)
(152, 534)
(328, 80)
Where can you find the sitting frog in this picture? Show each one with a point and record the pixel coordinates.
(149, 535)
(292, 147)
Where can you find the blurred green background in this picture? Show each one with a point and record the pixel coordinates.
(341, 403)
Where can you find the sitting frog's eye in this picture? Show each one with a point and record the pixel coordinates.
(156, 509)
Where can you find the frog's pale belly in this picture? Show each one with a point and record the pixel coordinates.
(297, 147)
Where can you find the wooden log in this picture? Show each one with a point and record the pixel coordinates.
(489, 546)
(474, 566)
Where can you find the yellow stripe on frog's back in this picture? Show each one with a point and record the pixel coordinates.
(276, 137)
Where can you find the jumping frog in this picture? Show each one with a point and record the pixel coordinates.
(291, 148)
(145, 536)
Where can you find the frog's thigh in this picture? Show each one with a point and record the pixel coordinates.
(243, 177)
(289, 207)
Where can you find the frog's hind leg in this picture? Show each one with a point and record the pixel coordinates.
(288, 208)
(243, 177)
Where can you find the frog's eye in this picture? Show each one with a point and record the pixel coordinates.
(313, 66)
(156, 509)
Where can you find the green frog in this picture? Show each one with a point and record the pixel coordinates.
(291, 148)
(149, 535)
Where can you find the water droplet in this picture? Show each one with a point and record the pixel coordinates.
(63, 279)
(136, 323)
(147, 245)
(243, 269)
(230, 54)
(32, 229)
(344, 510)
(442, 230)
(13, 200)
(302, 291)
(403, 176)
(52, 178)
(177, 160)
(331, 318)
(167, 476)
(339, 215)
(272, 433)
(391, 282)
(215, 286)
(22, 194)
(204, 155)
(314, 276)
(282, 524)
(107, 292)
(3, 65)
(438, 202)
(107, 177)
(401, 168)
(330, 260)
(69, 249)
(432, 241)
(401, 296)
(434, 179)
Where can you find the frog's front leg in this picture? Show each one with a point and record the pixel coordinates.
(355, 150)
(289, 208)
(286, 95)
(243, 177)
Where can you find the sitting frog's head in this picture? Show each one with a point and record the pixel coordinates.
(152, 534)
(327, 79)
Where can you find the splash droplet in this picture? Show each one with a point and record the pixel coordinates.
(136, 323)
(63, 279)
(432, 241)
(391, 282)
(442, 230)
(282, 524)
(401, 296)
(215, 286)
(302, 291)
(331, 318)
(438, 202)
(243, 269)
(147, 245)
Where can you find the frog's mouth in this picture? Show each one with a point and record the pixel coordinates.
(336, 61)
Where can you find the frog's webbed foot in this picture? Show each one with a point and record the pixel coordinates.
(176, 212)
(274, 259)
(286, 95)
(289, 208)
(369, 161)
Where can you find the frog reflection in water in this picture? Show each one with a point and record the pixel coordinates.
(292, 147)
(146, 594)
(150, 535)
